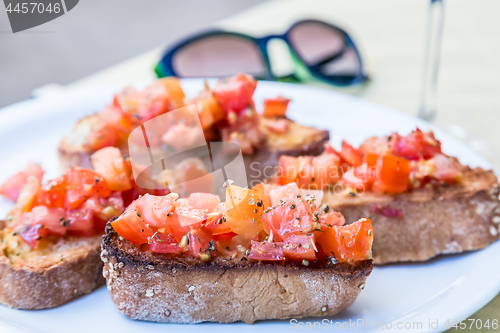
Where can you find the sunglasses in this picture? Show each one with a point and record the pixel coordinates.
(319, 51)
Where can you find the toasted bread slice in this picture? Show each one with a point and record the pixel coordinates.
(297, 140)
(435, 220)
(51, 276)
(165, 288)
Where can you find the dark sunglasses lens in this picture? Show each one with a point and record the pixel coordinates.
(218, 56)
(324, 50)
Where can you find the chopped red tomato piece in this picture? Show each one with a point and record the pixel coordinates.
(161, 243)
(103, 209)
(446, 168)
(331, 219)
(108, 162)
(278, 193)
(348, 243)
(27, 196)
(275, 107)
(52, 193)
(244, 207)
(299, 247)
(204, 201)
(394, 174)
(189, 216)
(174, 90)
(200, 242)
(294, 216)
(289, 170)
(13, 186)
(51, 218)
(209, 109)
(266, 251)
(80, 222)
(235, 93)
(82, 184)
(131, 226)
(216, 222)
(352, 155)
(156, 211)
(415, 145)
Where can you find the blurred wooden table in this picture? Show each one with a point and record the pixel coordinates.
(391, 36)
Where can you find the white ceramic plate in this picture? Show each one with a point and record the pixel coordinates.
(413, 296)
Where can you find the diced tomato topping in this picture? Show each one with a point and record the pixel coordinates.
(13, 186)
(275, 107)
(351, 242)
(80, 222)
(235, 93)
(353, 156)
(101, 135)
(82, 184)
(299, 247)
(204, 201)
(309, 172)
(227, 235)
(27, 196)
(415, 145)
(243, 210)
(108, 162)
(52, 194)
(131, 226)
(446, 169)
(289, 170)
(294, 216)
(174, 90)
(156, 211)
(51, 218)
(266, 251)
(200, 242)
(331, 219)
(209, 109)
(216, 222)
(161, 243)
(189, 216)
(279, 193)
(394, 174)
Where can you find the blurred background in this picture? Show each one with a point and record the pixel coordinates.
(96, 35)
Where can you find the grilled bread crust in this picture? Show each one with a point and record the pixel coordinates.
(72, 269)
(158, 287)
(440, 220)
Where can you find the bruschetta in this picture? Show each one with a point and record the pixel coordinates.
(198, 260)
(227, 113)
(51, 239)
(422, 202)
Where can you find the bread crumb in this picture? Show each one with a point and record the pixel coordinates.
(323, 309)
(362, 286)
(149, 293)
(151, 267)
(116, 274)
(167, 313)
(109, 287)
(493, 231)
(495, 219)
(191, 288)
(174, 270)
(111, 266)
